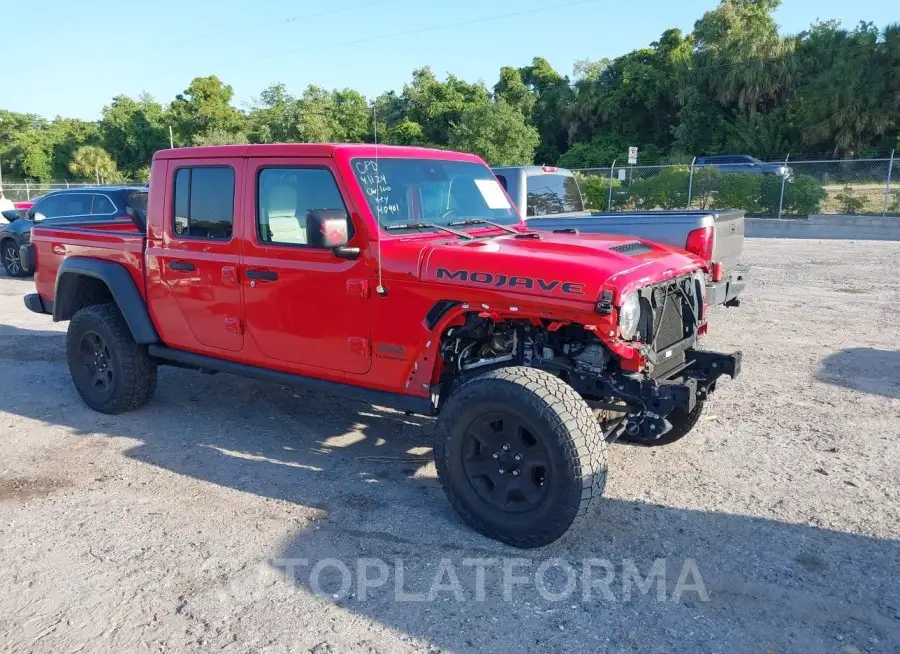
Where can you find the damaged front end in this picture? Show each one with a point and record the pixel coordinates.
(675, 375)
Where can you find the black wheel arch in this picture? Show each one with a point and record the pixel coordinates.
(82, 281)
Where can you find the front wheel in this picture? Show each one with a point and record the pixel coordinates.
(520, 456)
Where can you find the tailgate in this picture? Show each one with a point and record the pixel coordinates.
(729, 238)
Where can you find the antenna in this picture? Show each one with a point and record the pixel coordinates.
(380, 289)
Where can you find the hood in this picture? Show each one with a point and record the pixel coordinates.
(566, 266)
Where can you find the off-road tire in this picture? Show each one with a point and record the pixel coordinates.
(134, 372)
(9, 255)
(567, 430)
(682, 424)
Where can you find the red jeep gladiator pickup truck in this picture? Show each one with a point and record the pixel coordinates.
(402, 277)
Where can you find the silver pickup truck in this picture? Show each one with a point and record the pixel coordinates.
(550, 200)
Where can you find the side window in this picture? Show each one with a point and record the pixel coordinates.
(48, 207)
(76, 204)
(285, 195)
(204, 202)
(102, 206)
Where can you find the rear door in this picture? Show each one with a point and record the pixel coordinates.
(302, 304)
(199, 258)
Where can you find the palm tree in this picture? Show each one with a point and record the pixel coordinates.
(91, 161)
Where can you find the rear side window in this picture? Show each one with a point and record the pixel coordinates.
(137, 201)
(102, 206)
(76, 204)
(204, 202)
(552, 193)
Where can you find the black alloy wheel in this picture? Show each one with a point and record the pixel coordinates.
(506, 464)
(97, 360)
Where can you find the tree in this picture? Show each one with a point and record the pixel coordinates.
(436, 105)
(274, 118)
(497, 132)
(849, 104)
(203, 107)
(740, 57)
(94, 163)
(552, 109)
(134, 130)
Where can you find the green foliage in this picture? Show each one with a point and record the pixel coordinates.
(666, 190)
(219, 136)
(496, 132)
(741, 191)
(849, 201)
(803, 195)
(595, 190)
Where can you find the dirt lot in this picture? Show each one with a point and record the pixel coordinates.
(166, 529)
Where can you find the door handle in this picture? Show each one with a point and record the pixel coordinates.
(180, 265)
(267, 275)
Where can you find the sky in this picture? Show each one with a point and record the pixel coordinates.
(70, 58)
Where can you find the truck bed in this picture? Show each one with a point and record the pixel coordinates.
(668, 227)
(121, 243)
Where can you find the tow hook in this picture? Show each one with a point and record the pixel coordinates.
(646, 426)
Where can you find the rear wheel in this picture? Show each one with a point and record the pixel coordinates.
(12, 264)
(520, 456)
(110, 371)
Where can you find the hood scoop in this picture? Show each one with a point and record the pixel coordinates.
(632, 249)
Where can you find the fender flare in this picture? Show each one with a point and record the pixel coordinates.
(122, 288)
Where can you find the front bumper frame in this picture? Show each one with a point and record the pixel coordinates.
(682, 389)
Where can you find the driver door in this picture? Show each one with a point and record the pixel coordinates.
(302, 304)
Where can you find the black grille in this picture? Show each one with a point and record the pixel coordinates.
(668, 322)
(632, 248)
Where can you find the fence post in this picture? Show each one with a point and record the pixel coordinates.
(783, 180)
(27, 191)
(887, 186)
(611, 171)
(691, 182)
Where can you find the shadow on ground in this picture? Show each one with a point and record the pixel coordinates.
(770, 584)
(864, 369)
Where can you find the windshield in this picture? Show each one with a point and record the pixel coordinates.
(412, 191)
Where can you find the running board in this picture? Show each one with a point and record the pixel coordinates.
(418, 405)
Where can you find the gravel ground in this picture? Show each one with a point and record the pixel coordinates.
(168, 528)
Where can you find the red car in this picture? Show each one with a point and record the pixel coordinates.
(402, 277)
(26, 205)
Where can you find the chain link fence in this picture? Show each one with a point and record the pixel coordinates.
(773, 189)
(768, 189)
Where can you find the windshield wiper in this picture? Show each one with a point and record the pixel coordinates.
(482, 221)
(456, 232)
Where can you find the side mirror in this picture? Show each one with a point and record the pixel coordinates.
(11, 215)
(37, 217)
(327, 228)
